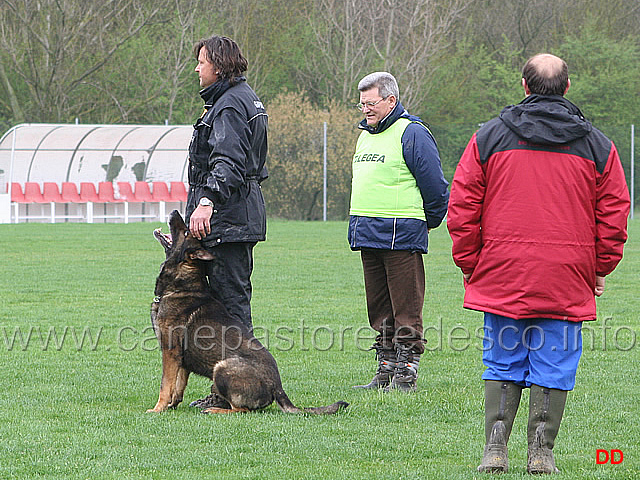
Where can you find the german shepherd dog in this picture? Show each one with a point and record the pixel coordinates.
(196, 334)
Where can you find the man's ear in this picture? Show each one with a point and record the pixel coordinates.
(568, 86)
(200, 254)
(527, 92)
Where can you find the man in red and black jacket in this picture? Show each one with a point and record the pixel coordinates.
(538, 217)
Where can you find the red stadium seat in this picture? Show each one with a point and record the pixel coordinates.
(178, 192)
(17, 195)
(126, 192)
(106, 194)
(70, 193)
(161, 192)
(51, 193)
(88, 192)
(17, 198)
(143, 192)
(32, 193)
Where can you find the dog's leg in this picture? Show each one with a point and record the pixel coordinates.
(170, 369)
(181, 384)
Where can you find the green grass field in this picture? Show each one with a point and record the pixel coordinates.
(80, 366)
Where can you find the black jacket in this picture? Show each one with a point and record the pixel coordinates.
(227, 158)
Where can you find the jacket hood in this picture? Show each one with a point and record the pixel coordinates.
(550, 120)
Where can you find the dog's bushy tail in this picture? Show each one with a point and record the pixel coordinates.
(288, 407)
(327, 410)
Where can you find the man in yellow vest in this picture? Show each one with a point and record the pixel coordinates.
(398, 194)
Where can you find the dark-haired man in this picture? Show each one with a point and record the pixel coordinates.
(538, 217)
(225, 207)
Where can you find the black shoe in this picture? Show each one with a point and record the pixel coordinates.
(212, 401)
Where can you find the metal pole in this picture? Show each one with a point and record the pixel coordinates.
(13, 154)
(633, 168)
(324, 175)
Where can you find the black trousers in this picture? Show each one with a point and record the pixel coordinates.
(395, 283)
(229, 275)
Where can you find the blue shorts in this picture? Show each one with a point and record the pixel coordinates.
(538, 351)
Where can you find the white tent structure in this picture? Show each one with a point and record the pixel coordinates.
(63, 153)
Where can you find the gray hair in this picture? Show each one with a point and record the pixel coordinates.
(384, 81)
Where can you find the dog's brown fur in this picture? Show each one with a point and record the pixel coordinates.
(196, 334)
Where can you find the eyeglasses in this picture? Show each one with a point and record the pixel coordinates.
(360, 106)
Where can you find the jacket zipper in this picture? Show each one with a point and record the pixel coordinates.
(355, 231)
(393, 239)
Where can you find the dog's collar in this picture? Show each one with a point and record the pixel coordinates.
(158, 298)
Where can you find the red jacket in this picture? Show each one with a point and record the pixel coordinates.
(538, 208)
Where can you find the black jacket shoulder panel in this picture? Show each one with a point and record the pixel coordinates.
(597, 147)
(494, 136)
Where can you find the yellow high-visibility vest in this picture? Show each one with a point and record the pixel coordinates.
(382, 185)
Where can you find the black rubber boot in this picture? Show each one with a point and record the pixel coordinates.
(211, 401)
(405, 373)
(386, 364)
(501, 401)
(546, 407)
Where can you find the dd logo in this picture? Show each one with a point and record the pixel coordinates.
(604, 456)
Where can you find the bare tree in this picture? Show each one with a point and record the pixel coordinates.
(354, 37)
(342, 54)
(53, 46)
(409, 36)
(180, 53)
(531, 25)
(12, 98)
(260, 29)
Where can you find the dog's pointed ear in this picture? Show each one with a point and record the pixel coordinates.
(200, 254)
(176, 226)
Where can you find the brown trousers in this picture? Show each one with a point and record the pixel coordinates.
(394, 284)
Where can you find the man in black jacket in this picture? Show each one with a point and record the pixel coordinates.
(225, 207)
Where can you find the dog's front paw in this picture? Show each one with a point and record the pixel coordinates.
(157, 409)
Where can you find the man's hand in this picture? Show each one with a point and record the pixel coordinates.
(599, 290)
(199, 224)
